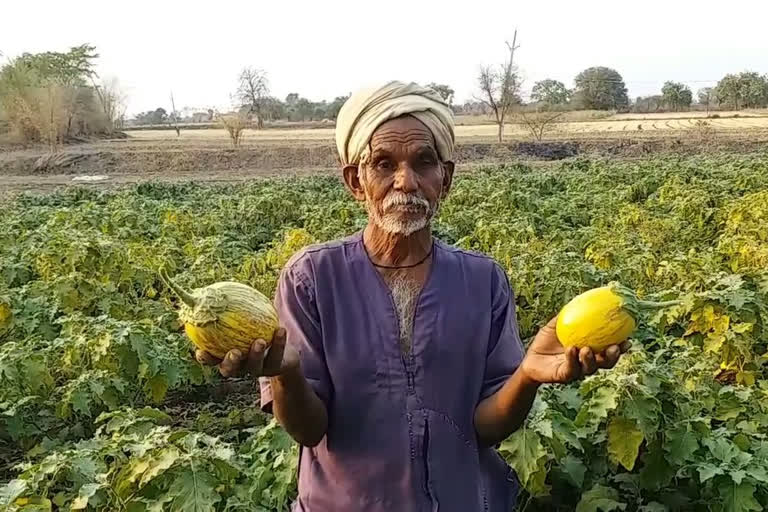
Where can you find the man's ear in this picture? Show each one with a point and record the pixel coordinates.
(352, 181)
(448, 168)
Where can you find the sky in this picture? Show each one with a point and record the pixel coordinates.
(326, 49)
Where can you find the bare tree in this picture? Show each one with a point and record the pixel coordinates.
(500, 88)
(175, 117)
(253, 91)
(540, 123)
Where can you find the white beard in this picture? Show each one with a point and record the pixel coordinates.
(389, 221)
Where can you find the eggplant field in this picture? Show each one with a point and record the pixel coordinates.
(103, 406)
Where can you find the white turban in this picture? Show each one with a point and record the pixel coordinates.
(368, 108)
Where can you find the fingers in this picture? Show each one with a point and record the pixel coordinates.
(572, 366)
(255, 362)
(587, 360)
(232, 364)
(608, 358)
(274, 358)
(206, 358)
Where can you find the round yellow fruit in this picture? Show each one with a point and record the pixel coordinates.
(596, 319)
(224, 316)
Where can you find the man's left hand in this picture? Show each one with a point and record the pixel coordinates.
(547, 361)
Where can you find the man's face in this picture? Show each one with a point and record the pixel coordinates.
(402, 179)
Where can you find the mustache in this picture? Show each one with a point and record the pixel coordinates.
(403, 199)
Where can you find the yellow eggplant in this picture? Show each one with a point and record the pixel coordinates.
(224, 316)
(601, 317)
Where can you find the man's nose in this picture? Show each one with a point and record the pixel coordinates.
(405, 179)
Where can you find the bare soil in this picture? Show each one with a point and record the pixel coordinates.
(120, 162)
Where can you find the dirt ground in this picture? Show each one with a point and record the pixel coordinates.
(205, 155)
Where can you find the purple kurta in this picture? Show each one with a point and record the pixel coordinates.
(401, 435)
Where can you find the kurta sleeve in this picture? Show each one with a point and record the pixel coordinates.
(297, 311)
(505, 348)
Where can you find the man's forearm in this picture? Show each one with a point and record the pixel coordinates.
(497, 416)
(298, 408)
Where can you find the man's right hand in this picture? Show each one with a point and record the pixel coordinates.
(258, 362)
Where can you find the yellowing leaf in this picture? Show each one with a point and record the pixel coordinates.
(84, 495)
(624, 440)
(158, 387)
(163, 461)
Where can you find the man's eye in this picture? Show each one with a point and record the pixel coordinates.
(384, 165)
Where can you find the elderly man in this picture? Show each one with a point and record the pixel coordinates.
(399, 365)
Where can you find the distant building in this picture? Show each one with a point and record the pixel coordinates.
(202, 117)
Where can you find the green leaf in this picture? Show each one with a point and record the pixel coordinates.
(600, 498)
(159, 463)
(722, 449)
(12, 490)
(570, 397)
(653, 506)
(594, 410)
(159, 417)
(574, 469)
(525, 453)
(708, 470)
(624, 440)
(738, 476)
(759, 473)
(194, 491)
(158, 387)
(739, 498)
(84, 494)
(680, 445)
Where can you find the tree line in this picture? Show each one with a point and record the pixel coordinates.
(57, 96)
(54, 97)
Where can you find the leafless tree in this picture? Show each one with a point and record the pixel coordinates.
(175, 117)
(539, 122)
(500, 87)
(253, 91)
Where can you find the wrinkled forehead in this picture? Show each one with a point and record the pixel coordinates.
(402, 132)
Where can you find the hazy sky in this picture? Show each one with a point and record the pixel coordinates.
(323, 49)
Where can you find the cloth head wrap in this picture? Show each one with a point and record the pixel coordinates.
(368, 108)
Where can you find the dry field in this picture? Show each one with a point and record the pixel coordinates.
(630, 124)
(207, 155)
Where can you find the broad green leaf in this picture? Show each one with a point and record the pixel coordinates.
(12, 490)
(525, 453)
(597, 407)
(158, 416)
(600, 499)
(707, 471)
(653, 506)
(680, 445)
(158, 387)
(84, 494)
(739, 498)
(738, 476)
(159, 463)
(574, 468)
(194, 491)
(722, 449)
(624, 440)
(759, 473)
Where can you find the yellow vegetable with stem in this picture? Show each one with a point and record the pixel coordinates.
(224, 316)
(601, 317)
